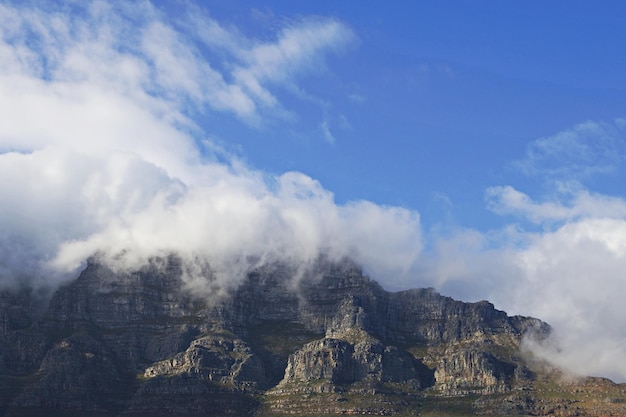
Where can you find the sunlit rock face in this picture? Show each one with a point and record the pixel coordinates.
(288, 340)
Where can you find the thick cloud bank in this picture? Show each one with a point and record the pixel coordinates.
(100, 157)
(573, 277)
(100, 154)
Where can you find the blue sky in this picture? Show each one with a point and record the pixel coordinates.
(475, 148)
(431, 103)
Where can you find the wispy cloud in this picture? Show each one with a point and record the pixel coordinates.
(197, 60)
(326, 132)
(357, 98)
(585, 150)
(297, 49)
(565, 205)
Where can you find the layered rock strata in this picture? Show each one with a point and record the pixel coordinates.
(327, 341)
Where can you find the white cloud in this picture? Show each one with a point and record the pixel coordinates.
(298, 48)
(573, 278)
(99, 154)
(566, 205)
(357, 98)
(568, 267)
(238, 217)
(133, 49)
(585, 150)
(328, 136)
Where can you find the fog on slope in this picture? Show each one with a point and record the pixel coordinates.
(99, 155)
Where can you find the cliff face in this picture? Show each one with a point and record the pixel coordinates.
(329, 342)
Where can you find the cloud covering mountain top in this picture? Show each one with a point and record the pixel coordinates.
(102, 152)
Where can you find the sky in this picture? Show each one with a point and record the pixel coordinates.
(475, 148)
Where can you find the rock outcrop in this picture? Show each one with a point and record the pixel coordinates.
(327, 341)
(339, 362)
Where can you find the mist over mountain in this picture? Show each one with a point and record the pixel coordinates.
(103, 154)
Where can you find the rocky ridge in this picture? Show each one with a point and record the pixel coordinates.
(330, 342)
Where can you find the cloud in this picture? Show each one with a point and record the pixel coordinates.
(239, 217)
(568, 268)
(578, 153)
(133, 49)
(297, 49)
(573, 277)
(566, 205)
(328, 135)
(562, 256)
(99, 152)
(357, 98)
(570, 276)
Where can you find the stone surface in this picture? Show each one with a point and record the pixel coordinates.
(325, 340)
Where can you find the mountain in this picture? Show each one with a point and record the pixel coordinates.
(328, 341)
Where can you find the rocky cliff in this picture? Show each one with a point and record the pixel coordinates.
(326, 342)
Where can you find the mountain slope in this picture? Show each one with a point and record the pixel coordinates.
(325, 342)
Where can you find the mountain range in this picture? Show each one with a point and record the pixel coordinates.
(317, 341)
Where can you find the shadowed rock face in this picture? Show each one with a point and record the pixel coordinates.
(328, 341)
